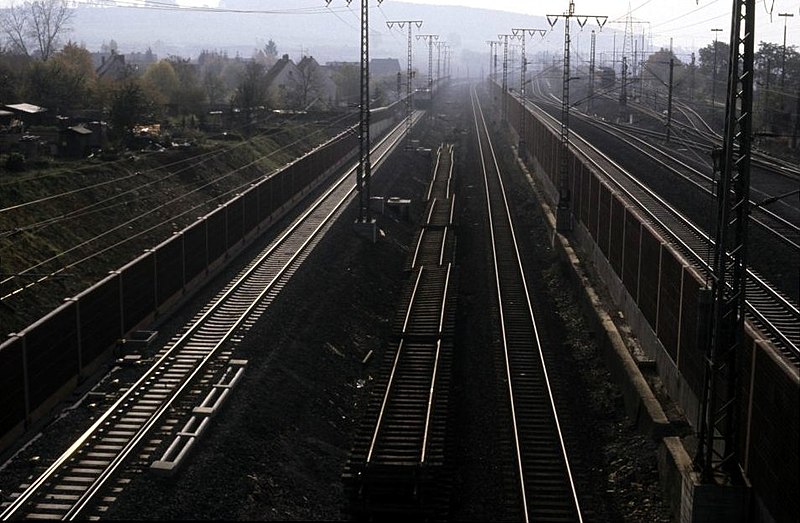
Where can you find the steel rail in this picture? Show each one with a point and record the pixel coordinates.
(505, 317)
(756, 284)
(381, 151)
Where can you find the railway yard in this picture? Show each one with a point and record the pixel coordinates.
(446, 370)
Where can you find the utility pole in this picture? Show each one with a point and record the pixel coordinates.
(714, 72)
(504, 38)
(364, 171)
(520, 32)
(429, 39)
(409, 73)
(717, 453)
(591, 73)
(785, 16)
(669, 99)
(623, 91)
(564, 207)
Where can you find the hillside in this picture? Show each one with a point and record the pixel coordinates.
(66, 224)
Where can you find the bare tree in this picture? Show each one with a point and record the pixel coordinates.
(308, 84)
(251, 91)
(36, 27)
(14, 24)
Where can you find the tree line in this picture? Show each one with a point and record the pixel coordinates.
(38, 67)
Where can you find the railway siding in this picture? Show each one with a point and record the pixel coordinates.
(398, 464)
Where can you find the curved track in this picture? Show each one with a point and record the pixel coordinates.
(768, 309)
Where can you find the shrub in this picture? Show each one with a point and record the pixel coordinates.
(15, 162)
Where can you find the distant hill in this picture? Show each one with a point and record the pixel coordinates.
(332, 35)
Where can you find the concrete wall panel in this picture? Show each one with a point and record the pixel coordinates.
(138, 291)
(650, 258)
(616, 234)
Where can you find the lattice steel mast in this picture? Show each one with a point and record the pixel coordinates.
(429, 39)
(564, 207)
(520, 32)
(718, 444)
(439, 46)
(364, 171)
(409, 72)
(504, 38)
(493, 57)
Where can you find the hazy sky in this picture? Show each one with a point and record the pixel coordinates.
(688, 22)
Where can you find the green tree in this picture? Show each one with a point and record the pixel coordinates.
(13, 67)
(189, 96)
(59, 83)
(347, 80)
(162, 79)
(214, 87)
(251, 91)
(775, 86)
(212, 71)
(713, 68)
(129, 106)
(271, 49)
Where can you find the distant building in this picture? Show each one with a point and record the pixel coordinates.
(281, 80)
(141, 61)
(28, 114)
(75, 141)
(317, 81)
(379, 67)
(112, 67)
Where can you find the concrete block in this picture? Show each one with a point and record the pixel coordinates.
(712, 503)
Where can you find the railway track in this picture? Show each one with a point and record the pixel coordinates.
(398, 464)
(198, 363)
(783, 225)
(768, 309)
(544, 483)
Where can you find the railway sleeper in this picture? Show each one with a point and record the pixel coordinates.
(399, 492)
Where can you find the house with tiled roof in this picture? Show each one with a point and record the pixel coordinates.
(112, 67)
(281, 81)
(317, 82)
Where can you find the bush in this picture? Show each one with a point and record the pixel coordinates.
(15, 162)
